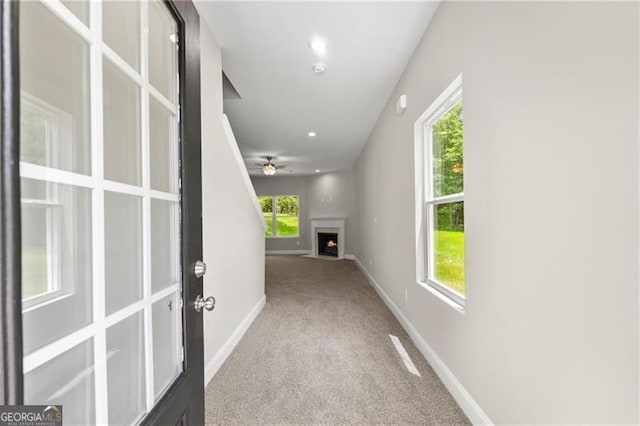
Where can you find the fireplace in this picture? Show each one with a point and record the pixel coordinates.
(327, 244)
(334, 227)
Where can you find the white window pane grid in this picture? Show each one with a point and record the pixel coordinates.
(69, 18)
(95, 334)
(56, 252)
(431, 201)
(126, 370)
(123, 248)
(430, 222)
(55, 122)
(167, 315)
(42, 238)
(121, 30)
(79, 9)
(75, 369)
(163, 53)
(40, 356)
(429, 189)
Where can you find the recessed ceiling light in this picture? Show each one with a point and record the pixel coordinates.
(318, 45)
(317, 170)
(319, 68)
(312, 134)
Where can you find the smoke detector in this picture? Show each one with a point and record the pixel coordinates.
(319, 68)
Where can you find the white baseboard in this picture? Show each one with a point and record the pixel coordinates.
(349, 256)
(453, 385)
(277, 252)
(223, 353)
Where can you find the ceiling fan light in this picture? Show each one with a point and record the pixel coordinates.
(269, 169)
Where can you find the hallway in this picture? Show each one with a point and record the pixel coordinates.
(321, 352)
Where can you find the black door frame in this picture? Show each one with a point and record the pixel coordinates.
(184, 401)
(10, 228)
(187, 392)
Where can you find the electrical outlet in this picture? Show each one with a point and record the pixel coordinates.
(375, 220)
(406, 295)
(370, 261)
(298, 242)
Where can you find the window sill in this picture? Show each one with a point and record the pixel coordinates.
(37, 302)
(431, 287)
(281, 238)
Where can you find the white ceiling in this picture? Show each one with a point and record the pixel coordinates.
(267, 58)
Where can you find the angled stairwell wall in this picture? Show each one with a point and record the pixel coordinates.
(233, 227)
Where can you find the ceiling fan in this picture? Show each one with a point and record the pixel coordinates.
(269, 168)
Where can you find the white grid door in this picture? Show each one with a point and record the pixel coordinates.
(101, 207)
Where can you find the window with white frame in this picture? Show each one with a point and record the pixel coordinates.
(440, 133)
(45, 131)
(281, 214)
(41, 247)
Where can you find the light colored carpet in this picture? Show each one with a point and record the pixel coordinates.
(320, 353)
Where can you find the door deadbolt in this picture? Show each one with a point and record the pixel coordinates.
(199, 269)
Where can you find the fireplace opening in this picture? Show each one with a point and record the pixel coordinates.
(327, 244)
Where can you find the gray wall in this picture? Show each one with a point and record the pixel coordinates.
(333, 195)
(550, 332)
(230, 223)
(326, 195)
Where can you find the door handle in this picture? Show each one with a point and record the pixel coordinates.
(209, 303)
(199, 269)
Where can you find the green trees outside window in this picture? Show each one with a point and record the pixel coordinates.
(446, 204)
(283, 211)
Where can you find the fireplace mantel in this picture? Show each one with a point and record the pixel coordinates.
(336, 223)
